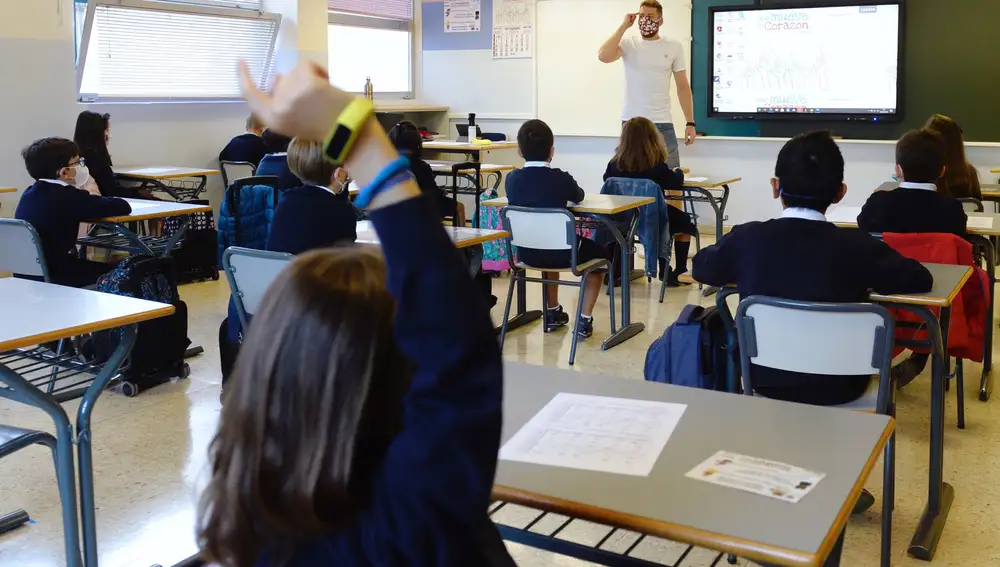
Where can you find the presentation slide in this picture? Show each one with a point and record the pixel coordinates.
(834, 60)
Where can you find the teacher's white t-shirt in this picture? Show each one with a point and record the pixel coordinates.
(649, 65)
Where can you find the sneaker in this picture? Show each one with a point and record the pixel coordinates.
(908, 370)
(586, 327)
(555, 318)
(673, 280)
(865, 501)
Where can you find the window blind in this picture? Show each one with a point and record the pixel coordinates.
(143, 53)
(245, 4)
(393, 9)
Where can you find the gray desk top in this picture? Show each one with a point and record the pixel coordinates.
(462, 236)
(842, 444)
(948, 281)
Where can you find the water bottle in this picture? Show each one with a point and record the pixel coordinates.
(369, 89)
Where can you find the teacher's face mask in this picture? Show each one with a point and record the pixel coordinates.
(648, 26)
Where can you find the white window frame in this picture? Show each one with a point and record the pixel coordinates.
(373, 22)
(182, 7)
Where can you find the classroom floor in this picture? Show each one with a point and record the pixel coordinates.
(150, 455)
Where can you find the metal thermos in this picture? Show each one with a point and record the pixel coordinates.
(369, 90)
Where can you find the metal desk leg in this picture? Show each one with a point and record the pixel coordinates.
(628, 328)
(986, 382)
(939, 493)
(718, 205)
(128, 233)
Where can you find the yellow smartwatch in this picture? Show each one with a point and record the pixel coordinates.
(345, 132)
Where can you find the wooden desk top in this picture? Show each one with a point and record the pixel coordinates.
(592, 204)
(143, 209)
(948, 281)
(36, 312)
(847, 216)
(453, 146)
(667, 504)
(8, 190)
(165, 172)
(410, 108)
(990, 190)
(995, 170)
(712, 182)
(444, 166)
(462, 236)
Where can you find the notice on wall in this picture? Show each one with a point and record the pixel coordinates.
(462, 16)
(513, 28)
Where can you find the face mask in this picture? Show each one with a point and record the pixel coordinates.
(82, 176)
(648, 26)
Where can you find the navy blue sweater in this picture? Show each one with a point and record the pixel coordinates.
(430, 494)
(56, 212)
(245, 147)
(277, 165)
(542, 187)
(311, 217)
(912, 210)
(808, 260)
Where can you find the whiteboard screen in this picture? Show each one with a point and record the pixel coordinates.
(577, 94)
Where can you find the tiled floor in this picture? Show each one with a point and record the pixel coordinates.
(150, 455)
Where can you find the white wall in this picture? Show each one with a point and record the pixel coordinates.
(38, 99)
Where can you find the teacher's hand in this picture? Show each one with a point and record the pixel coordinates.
(689, 135)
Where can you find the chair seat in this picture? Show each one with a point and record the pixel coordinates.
(868, 402)
(13, 439)
(581, 268)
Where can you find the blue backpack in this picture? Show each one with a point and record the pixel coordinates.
(691, 352)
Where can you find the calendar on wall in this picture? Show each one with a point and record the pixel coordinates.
(513, 28)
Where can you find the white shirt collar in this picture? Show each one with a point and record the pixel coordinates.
(536, 164)
(56, 181)
(325, 188)
(912, 185)
(803, 213)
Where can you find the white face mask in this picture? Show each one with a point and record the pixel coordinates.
(82, 176)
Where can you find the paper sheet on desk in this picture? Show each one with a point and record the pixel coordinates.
(758, 476)
(139, 205)
(980, 222)
(150, 170)
(696, 179)
(614, 435)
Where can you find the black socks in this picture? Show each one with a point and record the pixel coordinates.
(681, 256)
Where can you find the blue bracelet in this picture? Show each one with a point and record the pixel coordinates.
(385, 179)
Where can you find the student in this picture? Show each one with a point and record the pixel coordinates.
(317, 214)
(92, 135)
(359, 430)
(803, 256)
(55, 207)
(276, 161)
(248, 146)
(407, 139)
(539, 185)
(920, 204)
(960, 180)
(642, 154)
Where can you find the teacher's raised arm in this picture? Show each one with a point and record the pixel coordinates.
(611, 50)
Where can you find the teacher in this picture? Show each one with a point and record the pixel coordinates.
(649, 62)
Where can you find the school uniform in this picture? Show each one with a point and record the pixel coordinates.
(310, 217)
(913, 207)
(668, 180)
(245, 147)
(56, 209)
(541, 186)
(425, 503)
(802, 256)
(277, 165)
(103, 174)
(427, 181)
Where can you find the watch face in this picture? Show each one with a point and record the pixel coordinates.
(338, 142)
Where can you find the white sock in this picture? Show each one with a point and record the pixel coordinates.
(586, 317)
(556, 307)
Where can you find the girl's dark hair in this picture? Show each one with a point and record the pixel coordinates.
(274, 142)
(313, 403)
(960, 178)
(89, 135)
(810, 170)
(405, 136)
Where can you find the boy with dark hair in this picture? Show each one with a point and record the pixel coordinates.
(276, 161)
(803, 256)
(917, 205)
(405, 136)
(248, 146)
(539, 185)
(55, 207)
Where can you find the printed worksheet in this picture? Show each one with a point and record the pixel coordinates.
(980, 222)
(151, 170)
(696, 179)
(614, 435)
(759, 476)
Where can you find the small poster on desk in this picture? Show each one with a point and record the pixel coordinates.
(462, 16)
(513, 28)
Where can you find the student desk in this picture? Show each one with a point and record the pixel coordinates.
(494, 174)
(666, 503)
(948, 281)
(991, 191)
(124, 239)
(701, 192)
(34, 313)
(474, 151)
(170, 180)
(7, 190)
(601, 207)
(462, 236)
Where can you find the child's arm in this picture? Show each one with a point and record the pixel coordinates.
(890, 272)
(716, 264)
(576, 194)
(89, 207)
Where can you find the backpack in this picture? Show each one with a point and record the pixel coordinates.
(160, 345)
(197, 258)
(691, 352)
(495, 251)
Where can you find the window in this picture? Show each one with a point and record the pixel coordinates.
(178, 50)
(371, 38)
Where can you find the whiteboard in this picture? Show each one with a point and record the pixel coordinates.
(577, 95)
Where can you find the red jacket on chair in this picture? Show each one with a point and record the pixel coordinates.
(968, 311)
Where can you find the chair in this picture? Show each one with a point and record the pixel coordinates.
(249, 273)
(548, 229)
(972, 205)
(233, 170)
(21, 249)
(856, 339)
